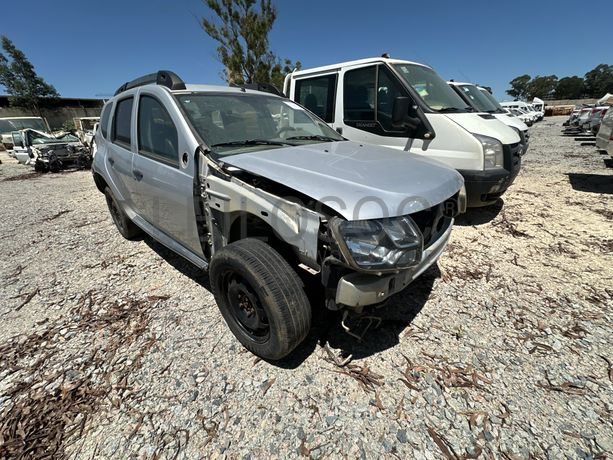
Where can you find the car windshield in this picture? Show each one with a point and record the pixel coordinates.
(477, 99)
(432, 89)
(232, 123)
(37, 138)
(16, 124)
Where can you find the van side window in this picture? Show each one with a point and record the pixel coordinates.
(318, 94)
(122, 122)
(157, 134)
(359, 94)
(387, 90)
(104, 120)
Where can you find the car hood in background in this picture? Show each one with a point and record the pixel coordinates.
(511, 121)
(357, 181)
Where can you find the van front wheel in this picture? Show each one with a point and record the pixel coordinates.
(260, 297)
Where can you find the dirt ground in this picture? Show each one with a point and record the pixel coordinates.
(115, 349)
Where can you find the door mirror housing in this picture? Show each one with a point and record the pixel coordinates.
(400, 112)
(411, 119)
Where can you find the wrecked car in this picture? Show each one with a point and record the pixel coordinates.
(258, 191)
(48, 152)
(86, 127)
(10, 124)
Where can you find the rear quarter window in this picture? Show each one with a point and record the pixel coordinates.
(122, 123)
(104, 120)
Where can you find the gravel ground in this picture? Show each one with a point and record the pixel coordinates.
(115, 349)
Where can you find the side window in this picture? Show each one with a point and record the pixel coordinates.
(104, 120)
(388, 89)
(157, 134)
(369, 95)
(359, 94)
(317, 95)
(122, 122)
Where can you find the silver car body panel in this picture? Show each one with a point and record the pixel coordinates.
(293, 223)
(357, 181)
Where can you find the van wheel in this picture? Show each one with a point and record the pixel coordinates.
(260, 297)
(126, 227)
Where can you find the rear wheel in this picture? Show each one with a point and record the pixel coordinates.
(260, 297)
(126, 227)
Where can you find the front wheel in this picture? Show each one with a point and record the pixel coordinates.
(260, 297)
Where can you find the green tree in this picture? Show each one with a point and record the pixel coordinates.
(542, 86)
(599, 81)
(519, 87)
(20, 80)
(570, 88)
(241, 30)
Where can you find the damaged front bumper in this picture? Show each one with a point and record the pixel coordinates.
(356, 290)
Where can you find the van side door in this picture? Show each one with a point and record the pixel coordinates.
(164, 171)
(318, 95)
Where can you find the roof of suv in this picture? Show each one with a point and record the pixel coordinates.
(173, 83)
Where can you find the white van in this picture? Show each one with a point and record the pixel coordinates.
(539, 106)
(407, 106)
(522, 106)
(478, 99)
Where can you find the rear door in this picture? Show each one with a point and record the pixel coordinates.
(163, 170)
(120, 152)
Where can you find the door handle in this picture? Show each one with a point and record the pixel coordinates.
(110, 160)
(137, 174)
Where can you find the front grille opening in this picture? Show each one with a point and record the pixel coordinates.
(432, 222)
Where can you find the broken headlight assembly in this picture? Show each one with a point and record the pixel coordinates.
(379, 244)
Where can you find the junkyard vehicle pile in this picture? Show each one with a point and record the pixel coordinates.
(320, 231)
(503, 347)
(30, 142)
(592, 125)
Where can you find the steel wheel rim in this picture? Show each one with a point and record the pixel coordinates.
(246, 308)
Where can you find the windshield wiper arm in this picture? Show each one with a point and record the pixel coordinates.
(453, 109)
(314, 137)
(250, 142)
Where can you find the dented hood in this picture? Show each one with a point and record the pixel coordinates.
(358, 181)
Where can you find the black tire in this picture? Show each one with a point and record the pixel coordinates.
(126, 227)
(260, 297)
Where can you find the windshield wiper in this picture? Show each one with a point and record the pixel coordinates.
(455, 109)
(250, 142)
(314, 137)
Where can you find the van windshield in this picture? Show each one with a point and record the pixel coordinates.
(492, 100)
(232, 123)
(432, 89)
(477, 99)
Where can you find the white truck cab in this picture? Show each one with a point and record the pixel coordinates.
(407, 106)
(482, 101)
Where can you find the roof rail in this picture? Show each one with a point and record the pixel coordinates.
(265, 87)
(163, 77)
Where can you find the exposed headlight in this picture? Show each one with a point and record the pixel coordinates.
(493, 156)
(380, 244)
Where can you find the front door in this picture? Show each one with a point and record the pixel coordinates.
(364, 106)
(163, 171)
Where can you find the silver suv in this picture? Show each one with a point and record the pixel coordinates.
(256, 189)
